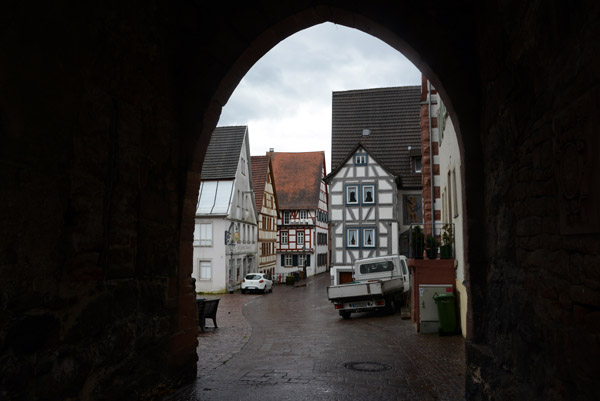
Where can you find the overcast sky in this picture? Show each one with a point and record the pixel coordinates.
(285, 98)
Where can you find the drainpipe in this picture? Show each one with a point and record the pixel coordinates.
(431, 158)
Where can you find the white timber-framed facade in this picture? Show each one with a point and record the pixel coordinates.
(364, 209)
(225, 204)
(268, 212)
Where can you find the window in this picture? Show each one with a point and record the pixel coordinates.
(360, 159)
(450, 196)
(289, 260)
(300, 238)
(352, 238)
(352, 195)
(286, 217)
(301, 260)
(416, 164)
(303, 214)
(454, 193)
(360, 194)
(203, 234)
(369, 239)
(243, 166)
(204, 270)
(284, 238)
(368, 194)
(361, 238)
(377, 267)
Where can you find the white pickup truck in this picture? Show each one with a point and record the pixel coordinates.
(379, 283)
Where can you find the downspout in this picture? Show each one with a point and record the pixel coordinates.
(431, 158)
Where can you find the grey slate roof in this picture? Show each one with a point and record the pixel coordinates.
(223, 153)
(393, 117)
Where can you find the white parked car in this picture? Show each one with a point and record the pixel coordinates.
(257, 282)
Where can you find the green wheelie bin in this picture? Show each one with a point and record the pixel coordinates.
(446, 306)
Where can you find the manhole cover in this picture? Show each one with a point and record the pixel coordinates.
(367, 366)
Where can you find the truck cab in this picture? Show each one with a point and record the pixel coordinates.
(382, 267)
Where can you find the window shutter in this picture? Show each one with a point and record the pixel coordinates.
(282, 259)
(307, 260)
(295, 260)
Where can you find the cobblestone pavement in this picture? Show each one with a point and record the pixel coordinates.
(292, 345)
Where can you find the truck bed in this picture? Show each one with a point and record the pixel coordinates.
(365, 289)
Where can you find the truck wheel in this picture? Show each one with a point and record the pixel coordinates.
(345, 315)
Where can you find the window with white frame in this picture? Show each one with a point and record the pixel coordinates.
(301, 260)
(203, 234)
(450, 195)
(454, 193)
(284, 238)
(369, 238)
(368, 194)
(303, 214)
(286, 217)
(204, 270)
(360, 237)
(416, 164)
(360, 159)
(352, 238)
(300, 238)
(289, 260)
(352, 195)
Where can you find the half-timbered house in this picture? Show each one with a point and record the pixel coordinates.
(375, 183)
(265, 196)
(225, 205)
(302, 226)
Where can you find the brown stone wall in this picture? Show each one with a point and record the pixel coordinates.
(540, 296)
(94, 303)
(105, 114)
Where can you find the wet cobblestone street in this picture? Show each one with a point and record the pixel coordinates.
(292, 345)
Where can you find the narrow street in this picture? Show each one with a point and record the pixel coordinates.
(292, 345)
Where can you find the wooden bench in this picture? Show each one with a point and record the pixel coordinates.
(207, 308)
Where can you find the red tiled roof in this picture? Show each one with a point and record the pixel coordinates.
(298, 178)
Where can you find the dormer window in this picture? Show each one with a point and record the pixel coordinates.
(360, 159)
(416, 164)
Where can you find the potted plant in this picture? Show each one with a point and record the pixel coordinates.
(447, 242)
(416, 242)
(432, 245)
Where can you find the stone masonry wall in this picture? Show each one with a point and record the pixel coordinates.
(539, 70)
(105, 114)
(91, 285)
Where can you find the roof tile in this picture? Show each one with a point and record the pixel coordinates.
(393, 117)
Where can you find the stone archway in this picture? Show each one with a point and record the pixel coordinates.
(105, 113)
